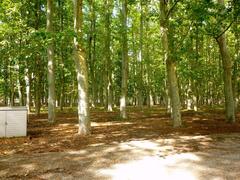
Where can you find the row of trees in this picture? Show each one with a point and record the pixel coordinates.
(174, 53)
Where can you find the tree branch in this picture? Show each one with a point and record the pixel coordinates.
(225, 29)
(171, 9)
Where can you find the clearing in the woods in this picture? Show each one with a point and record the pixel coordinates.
(145, 146)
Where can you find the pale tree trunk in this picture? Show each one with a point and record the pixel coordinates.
(123, 100)
(27, 82)
(192, 90)
(227, 77)
(51, 73)
(108, 61)
(20, 96)
(81, 70)
(140, 58)
(189, 101)
(150, 102)
(170, 67)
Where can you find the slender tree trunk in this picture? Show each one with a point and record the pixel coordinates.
(170, 67)
(140, 59)
(135, 64)
(92, 53)
(51, 73)
(19, 73)
(194, 82)
(37, 87)
(148, 68)
(227, 77)
(123, 100)
(63, 53)
(37, 83)
(27, 82)
(81, 70)
(19, 92)
(6, 82)
(11, 88)
(95, 87)
(108, 61)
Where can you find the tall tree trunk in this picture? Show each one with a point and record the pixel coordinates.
(108, 61)
(140, 58)
(81, 70)
(227, 77)
(236, 63)
(51, 73)
(63, 55)
(150, 91)
(92, 53)
(170, 66)
(37, 83)
(19, 73)
(123, 100)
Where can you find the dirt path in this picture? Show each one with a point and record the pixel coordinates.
(139, 159)
(143, 147)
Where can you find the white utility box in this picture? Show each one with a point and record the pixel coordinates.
(13, 121)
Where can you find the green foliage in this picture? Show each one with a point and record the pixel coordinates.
(192, 24)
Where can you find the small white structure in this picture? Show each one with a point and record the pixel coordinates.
(13, 121)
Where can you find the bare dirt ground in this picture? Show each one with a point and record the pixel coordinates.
(143, 147)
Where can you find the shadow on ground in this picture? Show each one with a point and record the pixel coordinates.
(139, 159)
(143, 147)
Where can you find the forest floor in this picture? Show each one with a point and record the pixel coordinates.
(145, 146)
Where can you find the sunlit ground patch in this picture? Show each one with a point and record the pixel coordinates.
(152, 167)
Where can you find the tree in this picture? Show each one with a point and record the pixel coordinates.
(108, 60)
(126, 57)
(123, 99)
(51, 71)
(81, 70)
(227, 75)
(170, 63)
(140, 59)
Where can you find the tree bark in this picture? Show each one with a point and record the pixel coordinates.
(123, 100)
(92, 53)
(108, 61)
(27, 82)
(37, 83)
(170, 67)
(81, 70)
(140, 59)
(51, 70)
(227, 77)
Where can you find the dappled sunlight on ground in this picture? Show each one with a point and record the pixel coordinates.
(145, 146)
(133, 160)
(153, 167)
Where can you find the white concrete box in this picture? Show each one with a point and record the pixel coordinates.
(13, 121)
